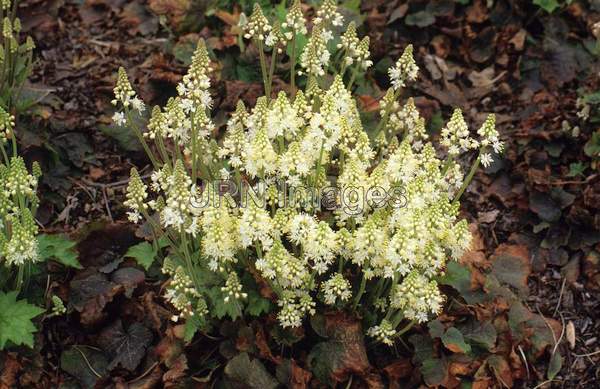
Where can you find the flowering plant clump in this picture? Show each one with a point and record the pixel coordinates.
(18, 204)
(16, 58)
(297, 194)
(18, 199)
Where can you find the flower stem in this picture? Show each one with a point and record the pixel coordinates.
(469, 178)
(263, 68)
(272, 70)
(140, 137)
(293, 66)
(406, 328)
(361, 291)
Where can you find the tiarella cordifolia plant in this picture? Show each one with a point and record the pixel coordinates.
(18, 199)
(385, 218)
(16, 56)
(18, 204)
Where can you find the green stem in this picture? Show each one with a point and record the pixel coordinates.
(353, 77)
(263, 67)
(385, 117)
(194, 151)
(293, 66)
(6, 160)
(188, 260)
(140, 137)
(316, 176)
(406, 328)
(272, 70)
(361, 291)
(19, 284)
(469, 178)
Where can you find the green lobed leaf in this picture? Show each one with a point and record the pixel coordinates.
(454, 341)
(15, 320)
(592, 147)
(257, 305)
(143, 253)
(220, 308)
(547, 5)
(436, 328)
(434, 371)
(481, 334)
(59, 248)
(512, 271)
(252, 373)
(458, 276)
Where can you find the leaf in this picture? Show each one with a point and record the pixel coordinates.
(501, 370)
(257, 305)
(576, 169)
(423, 347)
(454, 341)
(129, 278)
(59, 248)
(252, 373)
(125, 136)
(436, 328)
(547, 5)
(482, 334)
(90, 295)
(544, 206)
(85, 364)
(15, 320)
(555, 365)
(143, 253)
(511, 270)
(592, 147)
(31, 96)
(420, 19)
(220, 308)
(127, 348)
(458, 276)
(434, 371)
(344, 354)
(192, 325)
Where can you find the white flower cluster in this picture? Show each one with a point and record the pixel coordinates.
(355, 246)
(383, 332)
(294, 21)
(7, 123)
(418, 297)
(258, 26)
(355, 50)
(125, 95)
(18, 202)
(405, 69)
(336, 288)
(181, 292)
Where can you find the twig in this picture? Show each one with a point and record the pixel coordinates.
(112, 184)
(524, 360)
(107, 205)
(144, 373)
(586, 355)
(544, 383)
(562, 289)
(87, 362)
(586, 181)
